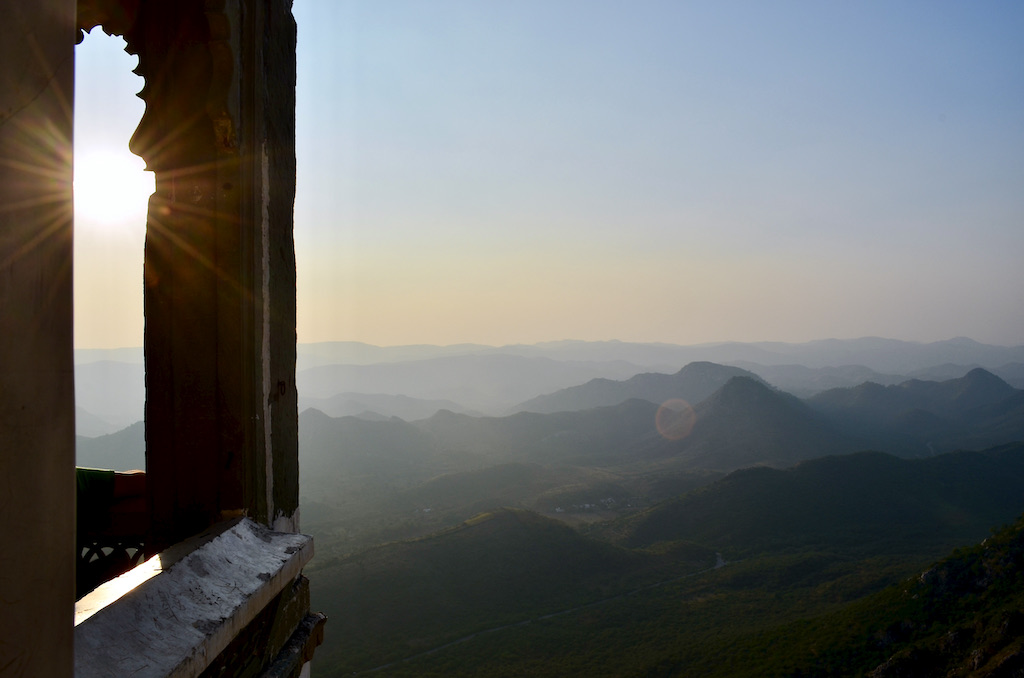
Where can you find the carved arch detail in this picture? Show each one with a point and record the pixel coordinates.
(187, 57)
(219, 268)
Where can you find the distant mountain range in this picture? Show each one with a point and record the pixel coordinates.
(743, 423)
(870, 401)
(123, 450)
(913, 417)
(355, 454)
(739, 420)
(109, 395)
(379, 407)
(609, 459)
(693, 383)
(497, 380)
(924, 417)
(747, 423)
(883, 355)
(487, 383)
(754, 539)
(856, 498)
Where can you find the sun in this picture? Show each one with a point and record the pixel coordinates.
(112, 189)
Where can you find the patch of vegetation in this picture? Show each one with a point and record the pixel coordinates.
(500, 568)
(425, 570)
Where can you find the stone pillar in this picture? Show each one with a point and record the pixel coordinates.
(37, 409)
(219, 133)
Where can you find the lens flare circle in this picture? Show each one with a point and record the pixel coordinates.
(675, 419)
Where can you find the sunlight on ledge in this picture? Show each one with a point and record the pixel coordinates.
(175, 613)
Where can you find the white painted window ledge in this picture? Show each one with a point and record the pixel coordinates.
(175, 613)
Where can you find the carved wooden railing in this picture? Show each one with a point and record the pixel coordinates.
(112, 523)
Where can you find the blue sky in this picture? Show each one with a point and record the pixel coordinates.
(503, 172)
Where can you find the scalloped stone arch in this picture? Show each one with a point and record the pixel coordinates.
(186, 59)
(219, 295)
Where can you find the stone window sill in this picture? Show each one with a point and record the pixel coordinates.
(175, 613)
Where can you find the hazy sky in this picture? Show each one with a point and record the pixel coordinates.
(531, 170)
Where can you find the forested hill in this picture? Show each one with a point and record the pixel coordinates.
(963, 617)
(765, 573)
(855, 500)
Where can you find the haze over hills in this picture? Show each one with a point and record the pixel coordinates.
(584, 540)
(112, 392)
(692, 383)
(747, 423)
(975, 389)
(355, 454)
(123, 450)
(850, 499)
(876, 356)
(582, 464)
(585, 464)
(742, 423)
(883, 355)
(380, 406)
(88, 425)
(488, 383)
(110, 384)
(804, 382)
(1012, 373)
(924, 417)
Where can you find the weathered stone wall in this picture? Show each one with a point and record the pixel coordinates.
(278, 95)
(221, 412)
(37, 415)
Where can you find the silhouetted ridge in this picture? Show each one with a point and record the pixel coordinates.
(921, 418)
(693, 383)
(745, 392)
(747, 422)
(313, 416)
(854, 499)
(979, 387)
(123, 450)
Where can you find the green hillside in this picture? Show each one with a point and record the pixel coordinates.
(862, 500)
(724, 553)
(499, 568)
(961, 617)
(525, 595)
(370, 481)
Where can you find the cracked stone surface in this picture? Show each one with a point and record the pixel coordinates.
(176, 612)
